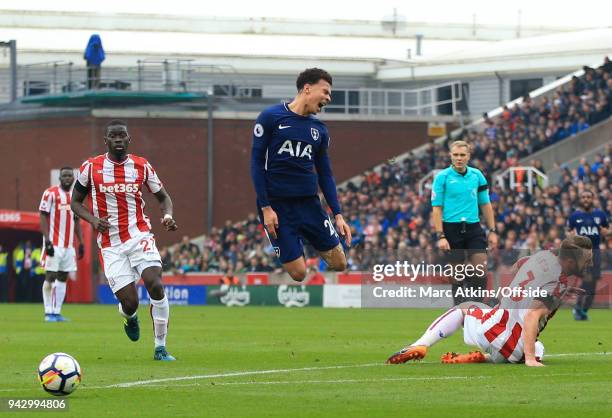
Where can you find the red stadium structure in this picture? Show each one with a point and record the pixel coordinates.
(17, 226)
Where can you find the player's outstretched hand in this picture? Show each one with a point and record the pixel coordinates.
(101, 224)
(344, 229)
(270, 220)
(169, 223)
(533, 363)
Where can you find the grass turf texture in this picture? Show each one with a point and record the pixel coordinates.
(219, 340)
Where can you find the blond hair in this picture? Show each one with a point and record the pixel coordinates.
(460, 144)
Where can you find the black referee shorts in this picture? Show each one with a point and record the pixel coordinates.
(464, 239)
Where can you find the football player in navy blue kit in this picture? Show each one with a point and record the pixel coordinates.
(289, 162)
(591, 223)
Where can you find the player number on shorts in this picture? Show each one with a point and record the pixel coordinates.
(147, 244)
(329, 225)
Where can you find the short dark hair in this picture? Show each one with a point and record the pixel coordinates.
(66, 168)
(312, 76)
(113, 123)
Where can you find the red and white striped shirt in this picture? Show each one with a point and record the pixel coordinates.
(115, 192)
(56, 202)
(542, 271)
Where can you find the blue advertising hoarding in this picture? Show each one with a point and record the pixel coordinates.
(177, 295)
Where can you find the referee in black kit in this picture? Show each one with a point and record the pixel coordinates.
(457, 193)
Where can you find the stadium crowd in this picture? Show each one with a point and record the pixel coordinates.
(389, 218)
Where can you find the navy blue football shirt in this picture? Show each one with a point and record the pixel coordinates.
(589, 224)
(287, 148)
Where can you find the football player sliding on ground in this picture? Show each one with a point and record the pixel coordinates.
(508, 333)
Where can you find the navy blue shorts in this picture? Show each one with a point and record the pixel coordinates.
(301, 218)
(595, 269)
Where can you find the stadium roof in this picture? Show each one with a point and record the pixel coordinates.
(368, 48)
(563, 51)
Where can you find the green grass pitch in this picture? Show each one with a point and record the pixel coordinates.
(310, 362)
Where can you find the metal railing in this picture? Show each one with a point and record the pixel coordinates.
(375, 101)
(45, 78)
(59, 77)
(426, 179)
(188, 75)
(520, 178)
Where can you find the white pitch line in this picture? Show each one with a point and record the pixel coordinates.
(274, 371)
(385, 379)
(231, 374)
(577, 354)
(286, 382)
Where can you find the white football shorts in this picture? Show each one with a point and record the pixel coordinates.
(64, 259)
(124, 263)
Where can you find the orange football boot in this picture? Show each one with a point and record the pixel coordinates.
(471, 357)
(413, 352)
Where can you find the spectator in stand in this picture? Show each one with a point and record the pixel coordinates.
(23, 263)
(188, 247)
(316, 278)
(94, 56)
(254, 265)
(166, 258)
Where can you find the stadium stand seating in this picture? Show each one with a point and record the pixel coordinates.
(390, 220)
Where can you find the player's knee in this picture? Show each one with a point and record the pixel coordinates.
(297, 274)
(338, 262)
(340, 265)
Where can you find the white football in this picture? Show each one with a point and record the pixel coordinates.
(59, 374)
